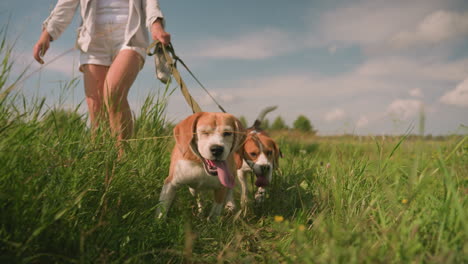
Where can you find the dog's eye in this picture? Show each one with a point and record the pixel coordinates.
(227, 134)
(269, 152)
(253, 154)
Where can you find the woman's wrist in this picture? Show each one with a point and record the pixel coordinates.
(46, 36)
(159, 33)
(157, 24)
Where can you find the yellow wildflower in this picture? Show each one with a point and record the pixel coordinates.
(279, 218)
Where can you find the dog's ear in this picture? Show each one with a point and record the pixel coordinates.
(278, 154)
(185, 131)
(238, 143)
(238, 157)
(239, 137)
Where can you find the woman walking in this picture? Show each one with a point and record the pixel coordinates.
(112, 40)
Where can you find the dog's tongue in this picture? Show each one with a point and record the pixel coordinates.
(261, 181)
(224, 175)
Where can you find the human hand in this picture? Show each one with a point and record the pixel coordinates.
(41, 47)
(158, 33)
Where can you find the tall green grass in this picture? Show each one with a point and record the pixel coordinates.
(65, 197)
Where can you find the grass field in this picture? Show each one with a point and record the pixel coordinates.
(65, 198)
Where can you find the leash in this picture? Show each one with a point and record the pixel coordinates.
(172, 59)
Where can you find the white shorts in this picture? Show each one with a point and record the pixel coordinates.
(106, 42)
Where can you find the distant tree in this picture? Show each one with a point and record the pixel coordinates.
(278, 124)
(243, 121)
(303, 124)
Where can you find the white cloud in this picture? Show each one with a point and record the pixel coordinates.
(251, 46)
(362, 121)
(280, 86)
(404, 109)
(356, 25)
(385, 27)
(64, 62)
(383, 75)
(368, 22)
(416, 92)
(335, 115)
(436, 27)
(332, 49)
(398, 67)
(458, 96)
(220, 98)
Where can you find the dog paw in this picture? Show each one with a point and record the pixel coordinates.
(159, 214)
(259, 198)
(260, 195)
(230, 207)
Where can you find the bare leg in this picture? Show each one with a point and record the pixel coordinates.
(94, 76)
(120, 77)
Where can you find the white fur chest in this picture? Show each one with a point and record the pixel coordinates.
(193, 174)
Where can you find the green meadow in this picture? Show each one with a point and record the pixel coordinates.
(65, 197)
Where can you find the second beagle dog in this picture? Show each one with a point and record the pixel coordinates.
(203, 158)
(260, 155)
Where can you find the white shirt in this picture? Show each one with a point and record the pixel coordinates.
(112, 11)
(141, 12)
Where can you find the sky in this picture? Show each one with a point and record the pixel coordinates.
(361, 67)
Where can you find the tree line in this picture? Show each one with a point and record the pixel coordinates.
(302, 124)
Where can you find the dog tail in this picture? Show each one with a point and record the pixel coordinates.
(262, 115)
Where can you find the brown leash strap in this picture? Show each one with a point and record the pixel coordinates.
(183, 87)
(172, 60)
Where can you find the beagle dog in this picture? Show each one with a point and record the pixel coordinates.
(260, 155)
(203, 158)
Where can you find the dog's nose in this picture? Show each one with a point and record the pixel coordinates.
(216, 150)
(265, 168)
